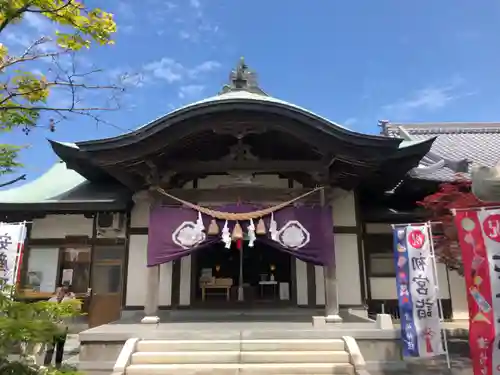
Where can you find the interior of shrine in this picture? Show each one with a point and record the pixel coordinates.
(263, 272)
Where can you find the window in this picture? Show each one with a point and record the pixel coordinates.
(382, 265)
(41, 270)
(379, 255)
(75, 268)
(45, 268)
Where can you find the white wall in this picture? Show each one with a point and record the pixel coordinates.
(137, 274)
(185, 284)
(346, 253)
(385, 287)
(348, 277)
(458, 296)
(60, 226)
(301, 282)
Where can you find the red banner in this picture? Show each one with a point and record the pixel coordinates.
(479, 237)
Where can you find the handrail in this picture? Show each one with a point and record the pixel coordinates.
(125, 356)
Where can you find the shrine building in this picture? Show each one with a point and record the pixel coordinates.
(237, 201)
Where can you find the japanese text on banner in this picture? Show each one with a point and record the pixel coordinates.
(416, 277)
(11, 240)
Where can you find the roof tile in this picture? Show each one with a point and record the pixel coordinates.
(477, 142)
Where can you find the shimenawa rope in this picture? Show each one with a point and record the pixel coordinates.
(237, 216)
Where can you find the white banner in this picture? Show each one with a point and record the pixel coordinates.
(11, 241)
(423, 291)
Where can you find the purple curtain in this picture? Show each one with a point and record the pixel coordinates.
(312, 227)
(168, 227)
(305, 232)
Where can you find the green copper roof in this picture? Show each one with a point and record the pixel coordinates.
(51, 185)
(64, 188)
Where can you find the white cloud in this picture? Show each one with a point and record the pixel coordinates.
(167, 69)
(190, 91)
(185, 35)
(39, 23)
(18, 39)
(195, 3)
(430, 98)
(172, 71)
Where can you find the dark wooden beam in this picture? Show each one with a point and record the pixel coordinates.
(243, 194)
(257, 166)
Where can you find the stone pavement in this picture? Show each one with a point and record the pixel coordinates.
(459, 366)
(71, 350)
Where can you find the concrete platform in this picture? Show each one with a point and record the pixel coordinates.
(101, 346)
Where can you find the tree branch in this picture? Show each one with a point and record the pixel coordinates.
(20, 178)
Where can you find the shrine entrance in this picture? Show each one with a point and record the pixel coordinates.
(232, 277)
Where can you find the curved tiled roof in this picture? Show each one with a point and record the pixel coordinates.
(479, 143)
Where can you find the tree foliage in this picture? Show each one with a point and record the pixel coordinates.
(26, 326)
(450, 195)
(47, 66)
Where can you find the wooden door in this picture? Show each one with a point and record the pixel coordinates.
(107, 285)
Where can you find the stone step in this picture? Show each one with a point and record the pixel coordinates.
(205, 357)
(243, 345)
(243, 369)
(317, 356)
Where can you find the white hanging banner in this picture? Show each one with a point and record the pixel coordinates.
(11, 242)
(418, 291)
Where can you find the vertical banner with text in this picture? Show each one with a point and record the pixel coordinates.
(11, 243)
(417, 292)
(479, 237)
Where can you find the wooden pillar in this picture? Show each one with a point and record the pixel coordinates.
(331, 290)
(152, 287)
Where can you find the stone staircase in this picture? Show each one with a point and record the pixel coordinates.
(251, 357)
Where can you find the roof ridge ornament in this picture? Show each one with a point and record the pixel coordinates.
(242, 78)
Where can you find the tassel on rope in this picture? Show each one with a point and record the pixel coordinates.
(261, 227)
(239, 245)
(237, 232)
(213, 228)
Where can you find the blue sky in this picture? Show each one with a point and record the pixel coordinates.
(354, 62)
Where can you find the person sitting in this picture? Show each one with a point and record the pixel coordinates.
(63, 294)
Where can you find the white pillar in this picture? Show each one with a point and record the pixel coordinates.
(331, 290)
(152, 296)
(152, 289)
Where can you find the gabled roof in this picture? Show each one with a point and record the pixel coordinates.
(478, 143)
(62, 188)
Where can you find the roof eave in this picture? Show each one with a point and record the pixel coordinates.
(206, 107)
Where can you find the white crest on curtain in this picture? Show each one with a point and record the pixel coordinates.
(188, 235)
(226, 236)
(293, 235)
(273, 228)
(251, 234)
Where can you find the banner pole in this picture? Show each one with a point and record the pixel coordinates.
(440, 304)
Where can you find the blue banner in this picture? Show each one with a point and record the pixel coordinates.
(409, 337)
(417, 290)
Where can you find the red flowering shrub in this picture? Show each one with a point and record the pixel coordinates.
(456, 194)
